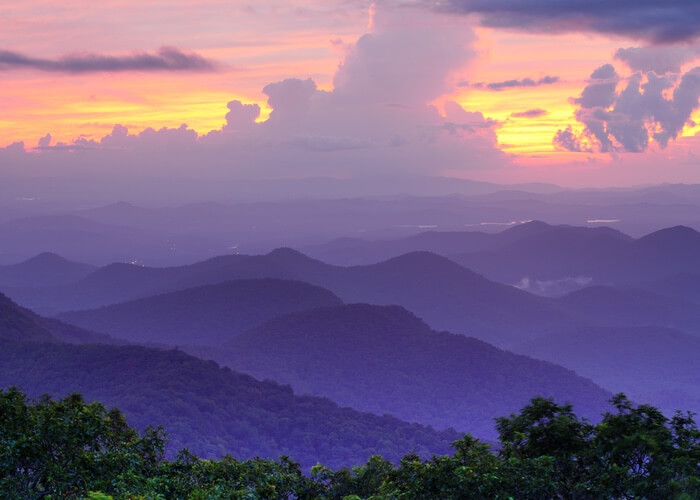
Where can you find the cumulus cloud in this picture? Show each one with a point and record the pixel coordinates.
(567, 140)
(377, 120)
(647, 107)
(510, 84)
(405, 59)
(658, 59)
(241, 117)
(655, 21)
(530, 113)
(45, 141)
(165, 59)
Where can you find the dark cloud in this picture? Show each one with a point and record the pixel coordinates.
(510, 84)
(600, 92)
(627, 120)
(530, 113)
(567, 140)
(656, 21)
(605, 72)
(166, 59)
(658, 59)
(45, 141)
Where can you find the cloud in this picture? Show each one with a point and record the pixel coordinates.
(509, 84)
(600, 91)
(648, 107)
(554, 288)
(241, 117)
(567, 140)
(655, 21)
(658, 59)
(530, 113)
(405, 59)
(45, 141)
(165, 59)
(377, 121)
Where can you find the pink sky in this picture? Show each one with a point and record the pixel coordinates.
(273, 89)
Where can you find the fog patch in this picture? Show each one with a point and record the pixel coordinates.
(553, 288)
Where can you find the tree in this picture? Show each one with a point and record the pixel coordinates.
(68, 447)
(546, 429)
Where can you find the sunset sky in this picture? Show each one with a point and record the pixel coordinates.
(576, 93)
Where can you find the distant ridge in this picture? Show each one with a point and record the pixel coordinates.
(209, 314)
(44, 269)
(445, 294)
(611, 306)
(386, 360)
(210, 410)
(649, 363)
(20, 324)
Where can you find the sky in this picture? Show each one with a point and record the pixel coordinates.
(593, 93)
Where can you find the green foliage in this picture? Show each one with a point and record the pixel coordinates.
(67, 447)
(213, 411)
(72, 449)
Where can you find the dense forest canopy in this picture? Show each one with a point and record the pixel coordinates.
(72, 449)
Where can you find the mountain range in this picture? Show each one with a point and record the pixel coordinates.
(383, 359)
(446, 295)
(652, 364)
(209, 315)
(210, 410)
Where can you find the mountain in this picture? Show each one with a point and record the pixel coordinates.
(45, 269)
(685, 286)
(210, 410)
(653, 364)
(20, 324)
(84, 239)
(68, 235)
(356, 251)
(550, 260)
(611, 306)
(386, 360)
(663, 253)
(445, 294)
(122, 282)
(173, 230)
(566, 258)
(209, 314)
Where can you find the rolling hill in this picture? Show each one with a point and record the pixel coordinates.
(549, 256)
(385, 360)
(20, 324)
(443, 293)
(611, 306)
(208, 315)
(212, 411)
(356, 251)
(45, 269)
(653, 364)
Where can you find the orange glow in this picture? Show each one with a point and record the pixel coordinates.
(256, 45)
(507, 56)
(90, 105)
(253, 45)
